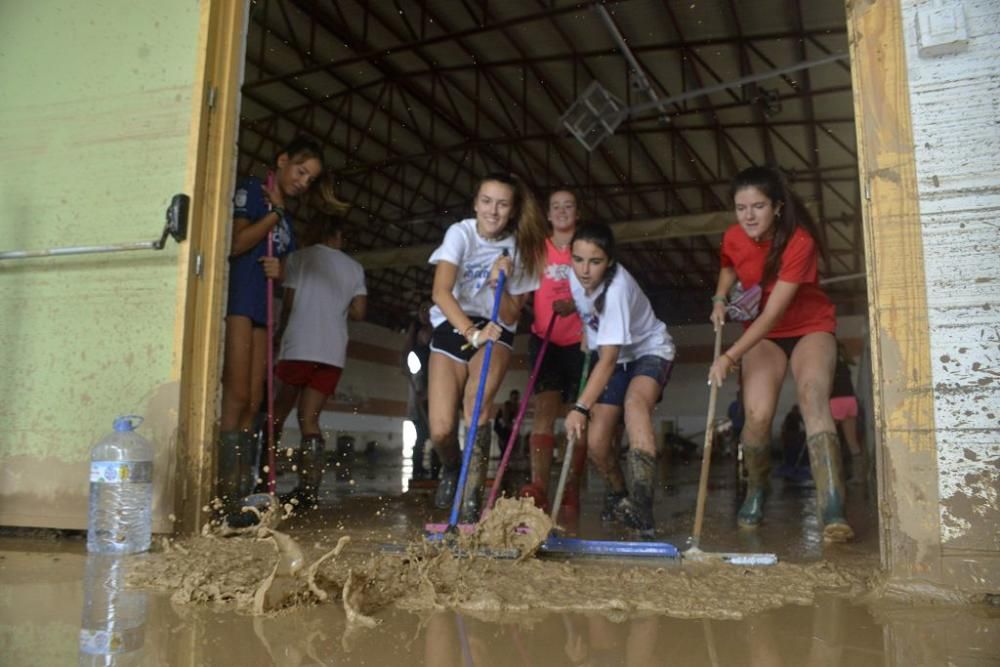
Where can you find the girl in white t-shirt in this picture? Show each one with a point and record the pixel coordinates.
(508, 233)
(634, 358)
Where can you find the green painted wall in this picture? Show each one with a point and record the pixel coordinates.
(95, 121)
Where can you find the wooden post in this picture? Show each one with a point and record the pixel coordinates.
(211, 173)
(900, 333)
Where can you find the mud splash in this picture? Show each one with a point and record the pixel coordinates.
(271, 572)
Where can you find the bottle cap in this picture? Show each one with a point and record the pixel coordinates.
(125, 424)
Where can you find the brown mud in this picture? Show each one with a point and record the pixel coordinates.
(269, 571)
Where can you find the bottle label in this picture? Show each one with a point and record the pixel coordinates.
(121, 472)
(101, 642)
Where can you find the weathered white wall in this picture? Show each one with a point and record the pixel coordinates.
(954, 100)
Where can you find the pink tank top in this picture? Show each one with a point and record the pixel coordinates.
(555, 287)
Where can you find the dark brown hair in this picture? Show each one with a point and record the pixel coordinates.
(323, 190)
(600, 234)
(789, 213)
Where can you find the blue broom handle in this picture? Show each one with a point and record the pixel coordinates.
(476, 408)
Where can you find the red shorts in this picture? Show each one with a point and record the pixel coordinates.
(843, 407)
(321, 377)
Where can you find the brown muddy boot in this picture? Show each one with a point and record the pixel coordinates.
(636, 511)
(472, 496)
(828, 473)
(541, 463)
(757, 460)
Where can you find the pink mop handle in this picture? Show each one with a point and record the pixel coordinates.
(520, 416)
(272, 479)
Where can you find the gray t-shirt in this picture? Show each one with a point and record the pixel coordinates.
(325, 281)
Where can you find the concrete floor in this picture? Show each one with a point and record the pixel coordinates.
(44, 587)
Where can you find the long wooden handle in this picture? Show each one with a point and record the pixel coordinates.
(713, 394)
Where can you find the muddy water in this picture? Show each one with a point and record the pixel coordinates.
(319, 591)
(42, 593)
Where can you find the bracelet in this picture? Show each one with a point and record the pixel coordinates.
(280, 210)
(475, 339)
(466, 333)
(731, 360)
(719, 299)
(582, 409)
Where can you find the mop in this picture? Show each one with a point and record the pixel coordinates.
(694, 553)
(515, 430)
(555, 545)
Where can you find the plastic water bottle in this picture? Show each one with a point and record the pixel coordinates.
(113, 623)
(121, 491)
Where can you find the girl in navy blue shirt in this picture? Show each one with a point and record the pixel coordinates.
(258, 209)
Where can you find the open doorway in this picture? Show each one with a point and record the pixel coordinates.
(413, 106)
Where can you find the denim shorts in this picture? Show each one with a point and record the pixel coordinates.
(650, 365)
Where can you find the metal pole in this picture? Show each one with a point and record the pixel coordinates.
(78, 250)
(735, 83)
(176, 227)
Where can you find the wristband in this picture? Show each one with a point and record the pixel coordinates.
(719, 299)
(475, 339)
(280, 210)
(582, 409)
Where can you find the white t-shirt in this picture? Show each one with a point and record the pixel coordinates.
(325, 281)
(627, 321)
(474, 256)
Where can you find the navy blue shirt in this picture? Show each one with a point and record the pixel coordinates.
(247, 283)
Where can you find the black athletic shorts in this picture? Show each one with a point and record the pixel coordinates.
(786, 344)
(561, 368)
(448, 341)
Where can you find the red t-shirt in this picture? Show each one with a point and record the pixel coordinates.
(555, 287)
(810, 309)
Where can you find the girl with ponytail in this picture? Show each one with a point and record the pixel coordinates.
(774, 245)
(507, 233)
(634, 356)
(258, 210)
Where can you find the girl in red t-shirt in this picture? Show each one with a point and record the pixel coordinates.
(774, 245)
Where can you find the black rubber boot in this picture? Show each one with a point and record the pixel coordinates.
(757, 460)
(248, 451)
(636, 511)
(227, 477)
(611, 500)
(447, 483)
(311, 465)
(475, 480)
(828, 473)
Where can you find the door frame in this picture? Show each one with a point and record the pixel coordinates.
(212, 152)
(906, 455)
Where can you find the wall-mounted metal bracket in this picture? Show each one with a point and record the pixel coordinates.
(176, 226)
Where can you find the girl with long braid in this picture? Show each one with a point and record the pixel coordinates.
(774, 245)
(634, 356)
